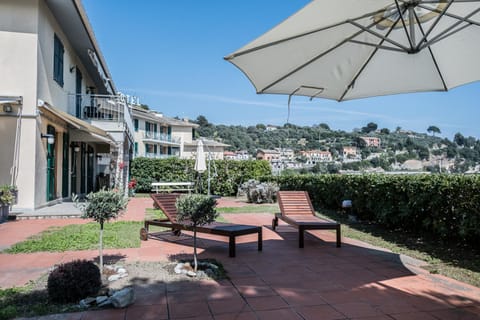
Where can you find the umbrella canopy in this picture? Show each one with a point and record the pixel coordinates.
(349, 49)
(200, 163)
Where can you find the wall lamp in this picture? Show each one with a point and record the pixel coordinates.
(50, 138)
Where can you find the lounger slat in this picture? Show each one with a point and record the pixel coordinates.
(296, 209)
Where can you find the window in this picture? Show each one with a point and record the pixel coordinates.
(135, 124)
(58, 52)
(136, 148)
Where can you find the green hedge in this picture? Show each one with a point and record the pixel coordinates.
(447, 206)
(226, 175)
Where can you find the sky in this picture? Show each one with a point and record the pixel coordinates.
(170, 55)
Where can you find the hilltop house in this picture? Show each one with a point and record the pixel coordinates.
(315, 156)
(214, 150)
(64, 127)
(269, 155)
(350, 153)
(158, 136)
(372, 141)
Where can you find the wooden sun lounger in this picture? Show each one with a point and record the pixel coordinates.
(166, 202)
(297, 210)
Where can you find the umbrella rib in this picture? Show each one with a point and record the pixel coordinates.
(403, 23)
(451, 15)
(444, 36)
(377, 46)
(445, 32)
(433, 56)
(350, 85)
(440, 16)
(378, 35)
(323, 54)
(270, 44)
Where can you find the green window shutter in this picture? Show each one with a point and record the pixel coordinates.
(136, 148)
(155, 149)
(58, 53)
(135, 123)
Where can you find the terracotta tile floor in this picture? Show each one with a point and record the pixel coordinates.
(281, 282)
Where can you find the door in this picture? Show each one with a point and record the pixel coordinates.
(83, 169)
(90, 169)
(51, 165)
(65, 163)
(78, 93)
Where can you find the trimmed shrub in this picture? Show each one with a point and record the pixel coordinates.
(73, 281)
(225, 175)
(259, 192)
(446, 206)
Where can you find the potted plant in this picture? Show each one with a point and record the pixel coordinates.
(7, 198)
(132, 184)
(102, 206)
(197, 210)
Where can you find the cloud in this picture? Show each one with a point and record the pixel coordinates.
(295, 105)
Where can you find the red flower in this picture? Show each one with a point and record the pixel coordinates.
(132, 183)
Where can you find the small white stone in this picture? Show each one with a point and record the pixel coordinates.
(178, 268)
(114, 277)
(191, 274)
(121, 270)
(123, 275)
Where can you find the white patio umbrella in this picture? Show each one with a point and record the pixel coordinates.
(349, 49)
(200, 163)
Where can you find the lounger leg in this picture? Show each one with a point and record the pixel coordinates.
(339, 237)
(274, 223)
(260, 245)
(301, 233)
(231, 246)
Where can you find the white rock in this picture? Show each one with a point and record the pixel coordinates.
(178, 268)
(123, 298)
(191, 274)
(121, 270)
(113, 277)
(123, 275)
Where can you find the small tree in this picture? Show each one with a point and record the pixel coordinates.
(102, 206)
(197, 210)
(433, 130)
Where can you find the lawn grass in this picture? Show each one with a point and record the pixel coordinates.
(116, 235)
(259, 208)
(453, 260)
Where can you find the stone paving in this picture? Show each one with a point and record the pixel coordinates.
(320, 281)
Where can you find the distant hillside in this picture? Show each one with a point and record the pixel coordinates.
(398, 146)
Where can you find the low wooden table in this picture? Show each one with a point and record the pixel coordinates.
(172, 186)
(223, 229)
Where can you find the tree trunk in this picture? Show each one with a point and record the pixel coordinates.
(195, 265)
(100, 247)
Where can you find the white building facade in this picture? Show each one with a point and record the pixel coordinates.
(63, 127)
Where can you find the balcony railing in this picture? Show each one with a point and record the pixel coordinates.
(158, 156)
(161, 137)
(101, 108)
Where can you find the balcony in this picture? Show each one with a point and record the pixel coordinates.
(104, 111)
(162, 138)
(157, 156)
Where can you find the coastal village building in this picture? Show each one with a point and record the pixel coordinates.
(158, 136)
(238, 155)
(372, 141)
(315, 156)
(269, 155)
(286, 154)
(214, 150)
(350, 153)
(64, 127)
